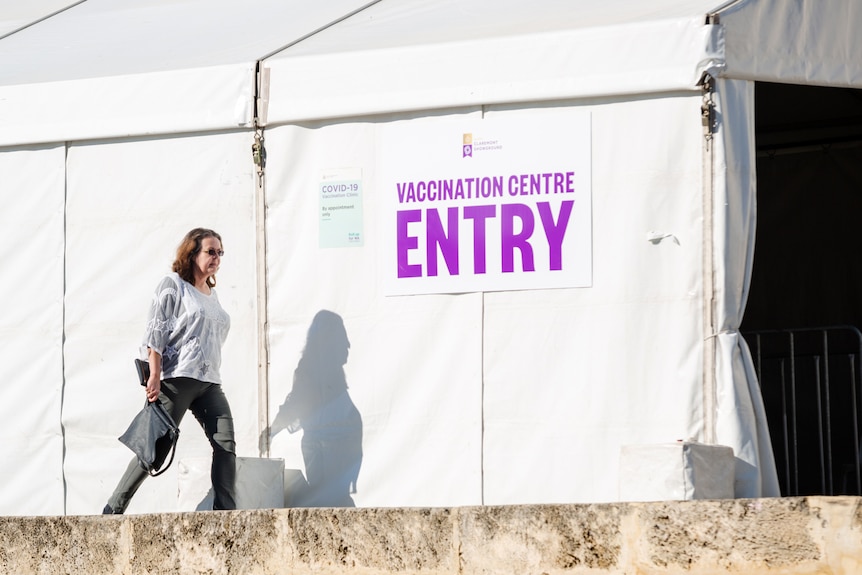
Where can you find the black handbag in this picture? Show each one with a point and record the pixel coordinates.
(143, 369)
(152, 435)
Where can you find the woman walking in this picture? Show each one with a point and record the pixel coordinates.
(184, 336)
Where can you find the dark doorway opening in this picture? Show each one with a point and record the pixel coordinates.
(805, 304)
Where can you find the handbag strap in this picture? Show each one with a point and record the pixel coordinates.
(168, 464)
(160, 412)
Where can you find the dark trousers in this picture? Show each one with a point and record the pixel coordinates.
(210, 407)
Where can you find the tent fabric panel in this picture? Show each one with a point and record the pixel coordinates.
(656, 282)
(129, 205)
(568, 383)
(31, 329)
(174, 102)
(741, 417)
(411, 405)
(33, 485)
(794, 41)
(414, 365)
(627, 59)
(573, 375)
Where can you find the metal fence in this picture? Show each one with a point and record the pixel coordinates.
(810, 381)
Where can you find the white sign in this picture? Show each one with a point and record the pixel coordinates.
(486, 204)
(341, 208)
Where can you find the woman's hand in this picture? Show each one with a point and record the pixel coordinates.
(154, 387)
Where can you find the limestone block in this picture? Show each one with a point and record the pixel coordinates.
(680, 471)
(774, 536)
(259, 483)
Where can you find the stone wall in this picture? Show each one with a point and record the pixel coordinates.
(821, 535)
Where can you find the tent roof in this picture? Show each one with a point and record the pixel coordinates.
(99, 38)
(794, 41)
(17, 15)
(399, 55)
(109, 69)
(448, 53)
(103, 69)
(395, 24)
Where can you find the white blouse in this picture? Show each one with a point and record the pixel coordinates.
(187, 328)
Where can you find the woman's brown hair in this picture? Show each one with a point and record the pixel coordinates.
(188, 250)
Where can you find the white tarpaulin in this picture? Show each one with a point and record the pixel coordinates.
(413, 365)
(642, 338)
(556, 364)
(31, 329)
(124, 218)
(143, 112)
(740, 420)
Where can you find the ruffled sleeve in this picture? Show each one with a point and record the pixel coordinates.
(162, 319)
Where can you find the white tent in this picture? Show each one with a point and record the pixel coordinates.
(121, 121)
(122, 126)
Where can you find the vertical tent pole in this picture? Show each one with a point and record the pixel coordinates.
(261, 97)
(709, 328)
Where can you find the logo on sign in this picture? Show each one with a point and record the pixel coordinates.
(467, 146)
(471, 145)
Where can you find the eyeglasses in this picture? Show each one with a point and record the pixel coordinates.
(213, 253)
